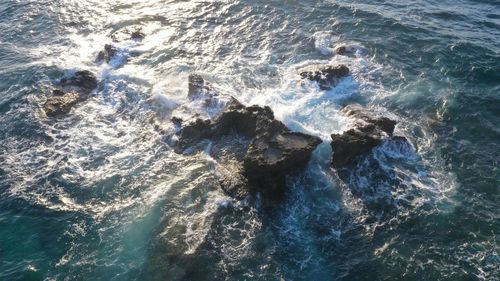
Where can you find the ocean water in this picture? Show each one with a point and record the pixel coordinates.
(100, 194)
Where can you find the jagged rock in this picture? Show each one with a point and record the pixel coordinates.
(83, 81)
(72, 90)
(199, 88)
(137, 35)
(326, 76)
(271, 157)
(194, 132)
(60, 103)
(255, 151)
(370, 131)
(107, 54)
(357, 111)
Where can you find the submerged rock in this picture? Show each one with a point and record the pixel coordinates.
(370, 131)
(72, 90)
(107, 54)
(326, 76)
(256, 151)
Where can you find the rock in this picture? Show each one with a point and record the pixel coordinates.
(83, 81)
(176, 120)
(352, 143)
(340, 50)
(254, 151)
(198, 88)
(326, 76)
(57, 92)
(194, 132)
(382, 123)
(231, 179)
(271, 157)
(137, 35)
(349, 50)
(60, 103)
(370, 131)
(107, 54)
(72, 90)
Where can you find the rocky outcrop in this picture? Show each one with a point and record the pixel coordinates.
(326, 76)
(369, 132)
(71, 91)
(82, 81)
(271, 157)
(60, 103)
(107, 54)
(256, 151)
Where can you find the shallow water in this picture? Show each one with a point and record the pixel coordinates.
(99, 194)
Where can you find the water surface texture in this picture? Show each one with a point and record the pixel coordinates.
(99, 194)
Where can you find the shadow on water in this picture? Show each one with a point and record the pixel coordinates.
(319, 232)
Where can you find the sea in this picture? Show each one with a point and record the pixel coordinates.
(101, 193)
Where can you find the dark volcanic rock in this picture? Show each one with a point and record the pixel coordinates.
(72, 90)
(370, 131)
(198, 88)
(352, 143)
(137, 35)
(255, 151)
(326, 76)
(85, 81)
(107, 54)
(382, 123)
(271, 157)
(194, 132)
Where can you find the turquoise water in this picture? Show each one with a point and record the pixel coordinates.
(100, 195)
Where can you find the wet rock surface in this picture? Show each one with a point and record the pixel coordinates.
(60, 103)
(255, 152)
(107, 54)
(369, 132)
(326, 76)
(70, 92)
(137, 35)
(83, 81)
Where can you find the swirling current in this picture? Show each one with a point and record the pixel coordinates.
(100, 194)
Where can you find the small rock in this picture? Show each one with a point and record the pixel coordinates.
(84, 80)
(176, 120)
(137, 35)
(107, 54)
(370, 131)
(327, 76)
(340, 50)
(72, 90)
(57, 92)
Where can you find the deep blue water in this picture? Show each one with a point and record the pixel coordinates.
(99, 194)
